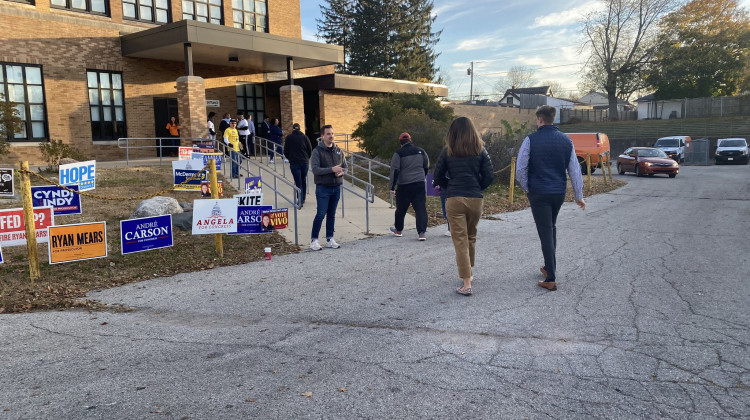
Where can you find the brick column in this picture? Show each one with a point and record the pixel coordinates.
(292, 107)
(191, 106)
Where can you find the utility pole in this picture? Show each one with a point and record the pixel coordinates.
(470, 72)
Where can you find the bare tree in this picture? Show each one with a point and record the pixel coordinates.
(622, 40)
(520, 77)
(557, 88)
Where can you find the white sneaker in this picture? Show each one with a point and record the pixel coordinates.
(315, 245)
(286, 160)
(270, 162)
(447, 233)
(332, 244)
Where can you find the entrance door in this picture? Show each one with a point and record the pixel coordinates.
(164, 109)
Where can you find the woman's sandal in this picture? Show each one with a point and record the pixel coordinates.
(465, 292)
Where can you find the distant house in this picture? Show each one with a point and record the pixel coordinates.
(599, 100)
(512, 96)
(651, 109)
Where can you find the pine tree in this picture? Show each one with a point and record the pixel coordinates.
(335, 26)
(416, 58)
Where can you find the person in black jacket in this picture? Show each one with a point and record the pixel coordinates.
(464, 169)
(409, 167)
(297, 149)
(328, 167)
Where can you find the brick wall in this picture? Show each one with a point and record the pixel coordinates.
(284, 18)
(342, 109)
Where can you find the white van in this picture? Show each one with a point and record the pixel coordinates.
(674, 146)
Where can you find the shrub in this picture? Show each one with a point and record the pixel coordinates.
(10, 123)
(502, 147)
(55, 150)
(390, 115)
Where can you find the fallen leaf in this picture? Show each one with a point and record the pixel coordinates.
(104, 323)
(250, 400)
(342, 389)
(307, 394)
(275, 371)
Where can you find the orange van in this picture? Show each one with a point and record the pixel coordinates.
(594, 144)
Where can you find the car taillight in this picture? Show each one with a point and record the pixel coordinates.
(598, 141)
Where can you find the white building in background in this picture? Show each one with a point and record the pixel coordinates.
(652, 109)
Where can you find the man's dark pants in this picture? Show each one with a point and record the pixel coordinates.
(328, 199)
(299, 172)
(544, 208)
(413, 194)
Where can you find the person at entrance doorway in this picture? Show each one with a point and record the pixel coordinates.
(276, 136)
(543, 159)
(297, 149)
(232, 139)
(244, 130)
(409, 167)
(173, 126)
(328, 167)
(210, 126)
(250, 146)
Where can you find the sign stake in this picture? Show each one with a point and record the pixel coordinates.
(28, 215)
(215, 194)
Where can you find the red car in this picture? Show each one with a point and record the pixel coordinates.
(646, 161)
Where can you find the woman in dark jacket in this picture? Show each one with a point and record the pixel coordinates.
(277, 136)
(464, 170)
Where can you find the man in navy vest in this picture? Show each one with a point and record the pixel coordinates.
(543, 158)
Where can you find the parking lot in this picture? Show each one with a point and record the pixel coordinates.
(650, 320)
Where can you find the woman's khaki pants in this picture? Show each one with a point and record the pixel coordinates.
(463, 216)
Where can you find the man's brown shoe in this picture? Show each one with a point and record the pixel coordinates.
(544, 272)
(549, 285)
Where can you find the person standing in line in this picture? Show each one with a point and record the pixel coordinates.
(297, 149)
(244, 130)
(543, 158)
(224, 123)
(409, 167)
(173, 126)
(232, 139)
(264, 131)
(276, 136)
(464, 168)
(328, 167)
(250, 146)
(210, 126)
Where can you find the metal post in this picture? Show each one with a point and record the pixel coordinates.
(367, 209)
(188, 59)
(28, 216)
(215, 194)
(341, 189)
(588, 168)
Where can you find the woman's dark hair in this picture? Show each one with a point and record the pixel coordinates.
(463, 138)
(211, 115)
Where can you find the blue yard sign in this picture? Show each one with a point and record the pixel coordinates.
(146, 233)
(61, 200)
(253, 185)
(1, 255)
(249, 217)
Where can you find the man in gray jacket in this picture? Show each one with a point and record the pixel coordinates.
(328, 167)
(409, 167)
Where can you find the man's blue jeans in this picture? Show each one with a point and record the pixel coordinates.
(299, 172)
(328, 199)
(235, 156)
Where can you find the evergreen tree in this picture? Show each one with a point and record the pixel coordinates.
(335, 26)
(383, 38)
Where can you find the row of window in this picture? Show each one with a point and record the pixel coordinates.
(248, 14)
(23, 85)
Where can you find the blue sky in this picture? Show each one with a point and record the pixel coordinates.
(500, 34)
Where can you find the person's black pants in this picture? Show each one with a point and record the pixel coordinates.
(544, 208)
(413, 194)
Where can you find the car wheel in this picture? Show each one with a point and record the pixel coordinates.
(638, 170)
(583, 169)
(620, 170)
(672, 175)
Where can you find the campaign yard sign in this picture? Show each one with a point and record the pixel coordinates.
(279, 218)
(184, 169)
(206, 188)
(214, 216)
(185, 153)
(253, 185)
(244, 200)
(1, 255)
(13, 227)
(205, 157)
(249, 219)
(82, 174)
(145, 234)
(61, 200)
(83, 241)
(6, 182)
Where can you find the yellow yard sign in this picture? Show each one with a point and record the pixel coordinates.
(77, 242)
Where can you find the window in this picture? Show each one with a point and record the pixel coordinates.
(148, 10)
(202, 11)
(100, 7)
(250, 101)
(250, 14)
(509, 100)
(23, 85)
(107, 104)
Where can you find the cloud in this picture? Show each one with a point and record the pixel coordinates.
(566, 17)
(490, 42)
(309, 34)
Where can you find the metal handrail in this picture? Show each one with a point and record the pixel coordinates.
(369, 169)
(127, 140)
(293, 201)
